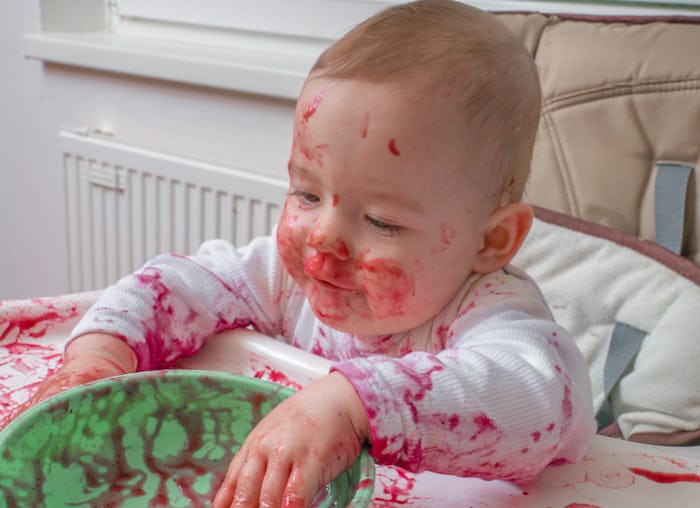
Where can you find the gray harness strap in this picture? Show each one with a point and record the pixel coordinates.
(670, 190)
(624, 345)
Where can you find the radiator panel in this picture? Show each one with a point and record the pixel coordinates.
(126, 204)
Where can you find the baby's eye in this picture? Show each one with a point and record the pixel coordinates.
(382, 226)
(306, 198)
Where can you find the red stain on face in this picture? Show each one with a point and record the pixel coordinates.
(392, 147)
(311, 108)
(447, 235)
(385, 285)
(341, 288)
(336, 200)
(314, 153)
(365, 127)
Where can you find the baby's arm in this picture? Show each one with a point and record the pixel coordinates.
(167, 309)
(506, 398)
(301, 445)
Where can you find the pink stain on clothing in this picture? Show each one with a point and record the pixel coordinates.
(392, 147)
(444, 333)
(483, 424)
(567, 410)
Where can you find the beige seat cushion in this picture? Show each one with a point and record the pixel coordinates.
(618, 98)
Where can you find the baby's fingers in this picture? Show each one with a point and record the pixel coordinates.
(300, 489)
(248, 483)
(227, 489)
(274, 483)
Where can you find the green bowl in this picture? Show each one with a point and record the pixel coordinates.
(152, 439)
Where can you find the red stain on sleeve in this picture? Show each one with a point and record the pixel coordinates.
(392, 147)
(483, 424)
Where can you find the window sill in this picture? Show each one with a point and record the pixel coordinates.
(263, 72)
(258, 63)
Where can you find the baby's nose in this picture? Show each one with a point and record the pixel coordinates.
(324, 237)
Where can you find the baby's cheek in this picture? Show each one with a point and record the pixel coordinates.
(290, 242)
(386, 286)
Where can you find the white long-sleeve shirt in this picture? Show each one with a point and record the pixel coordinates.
(490, 387)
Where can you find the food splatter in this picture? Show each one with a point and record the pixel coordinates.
(392, 147)
(663, 477)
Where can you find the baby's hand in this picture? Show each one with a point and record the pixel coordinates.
(88, 358)
(301, 445)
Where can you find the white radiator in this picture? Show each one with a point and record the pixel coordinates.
(126, 204)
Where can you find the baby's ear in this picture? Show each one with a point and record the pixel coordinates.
(506, 229)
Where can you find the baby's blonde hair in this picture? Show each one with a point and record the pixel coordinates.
(435, 46)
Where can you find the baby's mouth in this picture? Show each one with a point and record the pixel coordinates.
(330, 284)
(327, 272)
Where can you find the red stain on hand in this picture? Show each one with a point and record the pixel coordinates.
(661, 477)
(392, 147)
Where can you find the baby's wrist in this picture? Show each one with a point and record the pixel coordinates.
(104, 348)
(353, 406)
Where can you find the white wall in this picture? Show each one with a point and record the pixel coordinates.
(36, 99)
(244, 131)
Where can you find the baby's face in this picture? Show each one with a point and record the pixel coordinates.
(381, 227)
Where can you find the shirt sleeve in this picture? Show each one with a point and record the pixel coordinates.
(507, 396)
(167, 309)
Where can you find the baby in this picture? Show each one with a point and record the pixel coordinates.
(413, 138)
